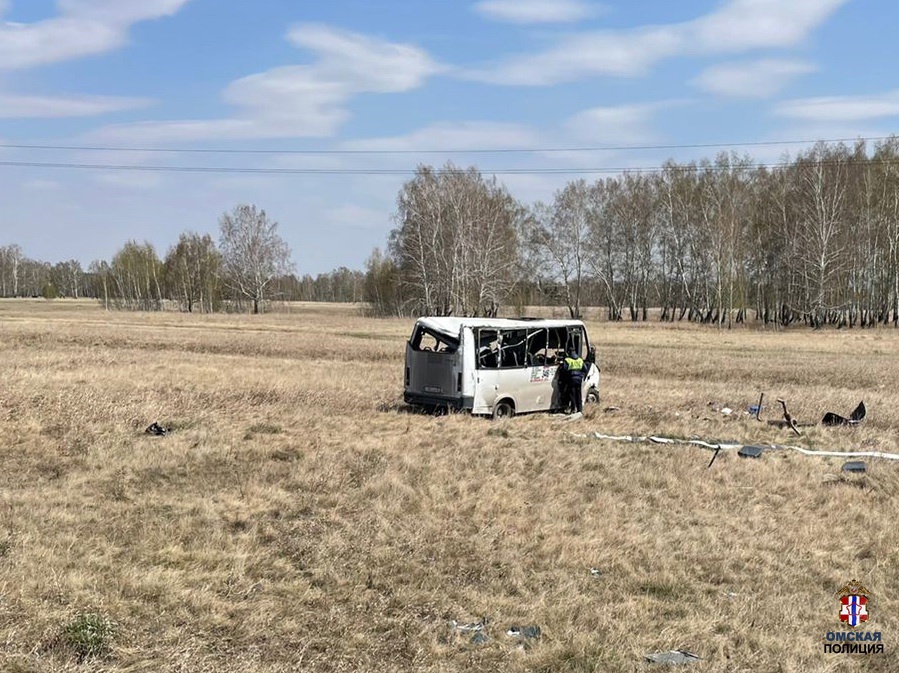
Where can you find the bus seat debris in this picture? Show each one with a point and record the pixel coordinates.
(857, 416)
(751, 452)
(855, 466)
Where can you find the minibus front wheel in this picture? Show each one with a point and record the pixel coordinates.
(503, 409)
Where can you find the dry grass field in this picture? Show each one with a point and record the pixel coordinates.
(297, 518)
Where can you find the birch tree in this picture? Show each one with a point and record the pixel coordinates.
(456, 244)
(253, 254)
(193, 272)
(563, 234)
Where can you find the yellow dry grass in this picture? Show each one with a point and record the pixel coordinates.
(297, 519)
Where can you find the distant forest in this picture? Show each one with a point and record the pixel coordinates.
(21, 276)
(811, 240)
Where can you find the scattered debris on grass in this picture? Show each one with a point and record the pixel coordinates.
(477, 631)
(156, 429)
(471, 626)
(788, 419)
(857, 416)
(525, 632)
(595, 573)
(756, 410)
(830, 418)
(567, 417)
(672, 658)
(720, 446)
(751, 452)
(855, 466)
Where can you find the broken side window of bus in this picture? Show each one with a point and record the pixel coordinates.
(427, 340)
(575, 340)
(513, 352)
(488, 348)
(537, 351)
(556, 345)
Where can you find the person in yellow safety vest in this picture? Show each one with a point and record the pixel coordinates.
(573, 371)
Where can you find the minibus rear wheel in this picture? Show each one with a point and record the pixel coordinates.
(503, 409)
(593, 396)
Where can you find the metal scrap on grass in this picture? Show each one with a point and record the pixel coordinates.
(722, 446)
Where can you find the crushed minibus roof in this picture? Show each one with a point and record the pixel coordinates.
(453, 326)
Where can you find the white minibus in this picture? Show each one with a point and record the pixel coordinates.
(494, 366)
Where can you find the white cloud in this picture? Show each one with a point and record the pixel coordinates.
(754, 79)
(361, 63)
(841, 108)
(618, 53)
(737, 26)
(298, 101)
(82, 28)
(741, 25)
(536, 11)
(454, 136)
(617, 125)
(60, 39)
(120, 12)
(14, 106)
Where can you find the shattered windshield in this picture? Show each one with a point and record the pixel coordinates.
(429, 340)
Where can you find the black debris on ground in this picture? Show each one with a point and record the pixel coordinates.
(156, 429)
(857, 416)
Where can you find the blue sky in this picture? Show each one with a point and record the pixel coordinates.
(447, 76)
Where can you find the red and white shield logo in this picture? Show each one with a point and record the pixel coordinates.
(854, 609)
(853, 604)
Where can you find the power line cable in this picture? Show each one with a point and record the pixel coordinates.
(406, 172)
(508, 150)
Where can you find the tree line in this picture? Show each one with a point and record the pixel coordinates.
(812, 240)
(245, 270)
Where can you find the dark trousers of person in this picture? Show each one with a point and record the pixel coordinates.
(576, 402)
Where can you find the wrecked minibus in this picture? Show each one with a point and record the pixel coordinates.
(494, 366)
